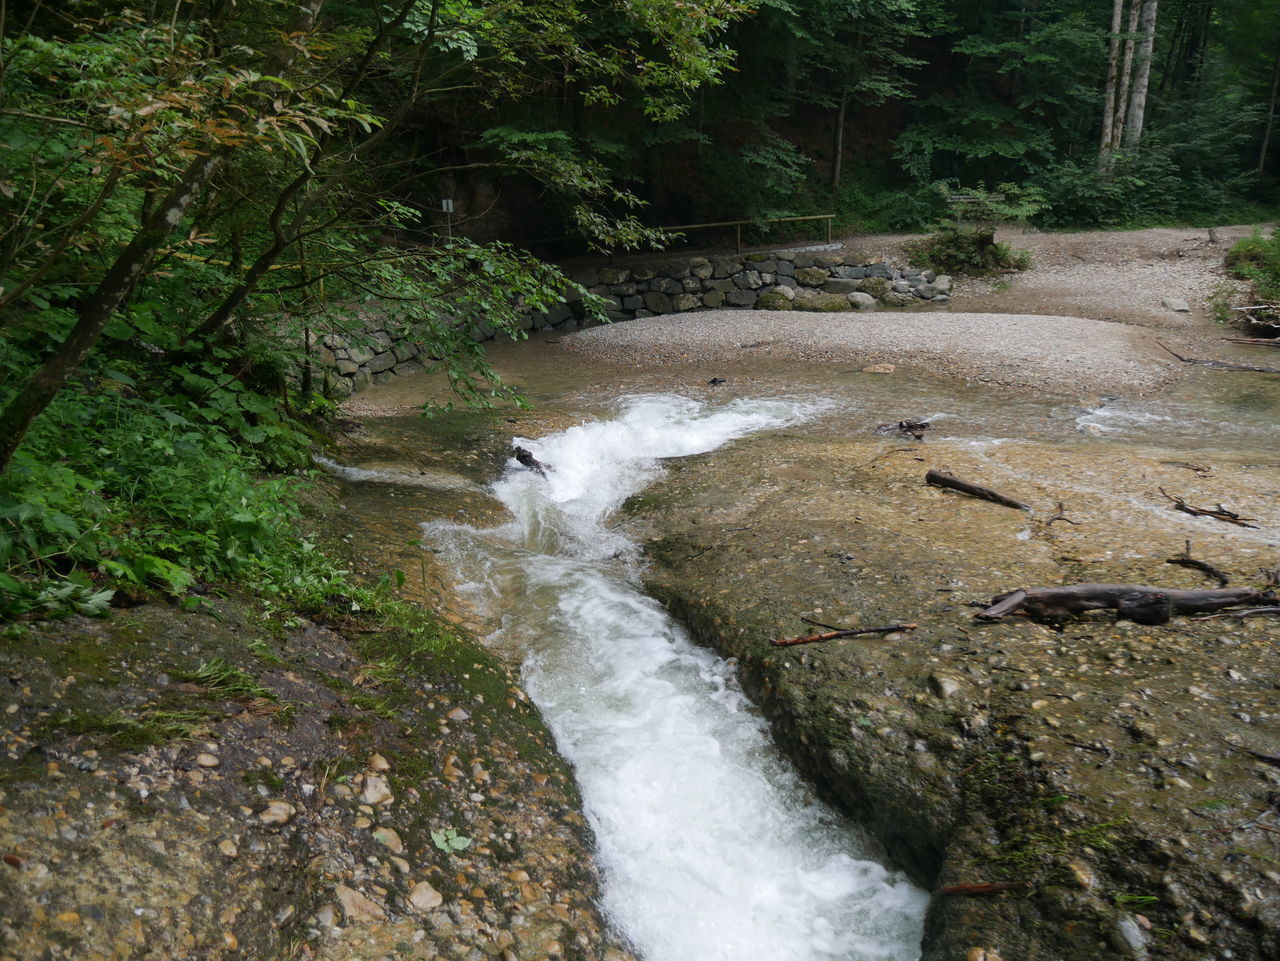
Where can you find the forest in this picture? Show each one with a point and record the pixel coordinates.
(189, 189)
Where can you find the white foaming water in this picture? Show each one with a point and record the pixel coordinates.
(711, 847)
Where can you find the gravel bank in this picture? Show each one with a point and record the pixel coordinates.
(1055, 354)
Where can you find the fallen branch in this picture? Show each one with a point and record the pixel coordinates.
(1219, 514)
(1186, 560)
(939, 479)
(1219, 364)
(1255, 341)
(1145, 605)
(841, 632)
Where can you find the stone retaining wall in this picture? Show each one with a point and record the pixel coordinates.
(781, 280)
(377, 348)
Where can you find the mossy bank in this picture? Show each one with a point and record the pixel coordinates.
(245, 781)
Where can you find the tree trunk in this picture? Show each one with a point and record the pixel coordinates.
(1141, 77)
(837, 159)
(1113, 73)
(1124, 93)
(129, 266)
(1271, 114)
(34, 396)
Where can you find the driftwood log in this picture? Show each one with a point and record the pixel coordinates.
(1134, 602)
(939, 479)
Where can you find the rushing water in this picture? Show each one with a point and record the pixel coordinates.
(710, 845)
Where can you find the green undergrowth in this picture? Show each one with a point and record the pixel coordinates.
(155, 477)
(1257, 259)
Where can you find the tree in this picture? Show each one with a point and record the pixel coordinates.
(254, 129)
(1136, 114)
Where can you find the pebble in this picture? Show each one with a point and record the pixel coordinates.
(376, 790)
(357, 907)
(389, 838)
(1197, 937)
(278, 812)
(230, 941)
(424, 897)
(943, 686)
(378, 763)
(1083, 875)
(207, 760)
(1131, 931)
(228, 848)
(458, 714)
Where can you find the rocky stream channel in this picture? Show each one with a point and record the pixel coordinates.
(1092, 789)
(970, 791)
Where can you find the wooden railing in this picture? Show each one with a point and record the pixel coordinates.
(739, 224)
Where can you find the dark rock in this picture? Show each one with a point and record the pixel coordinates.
(657, 302)
(811, 276)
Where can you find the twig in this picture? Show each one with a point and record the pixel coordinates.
(689, 557)
(1220, 514)
(841, 632)
(1186, 560)
(1239, 614)
(1062, 516)
(1219, 364)
(1255, 341)
(1259, 755)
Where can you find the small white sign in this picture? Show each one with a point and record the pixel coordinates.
(446, 206)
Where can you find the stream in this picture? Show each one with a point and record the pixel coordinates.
(710, 845)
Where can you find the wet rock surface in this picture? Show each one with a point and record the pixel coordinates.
(238, 784)
(1101, 789)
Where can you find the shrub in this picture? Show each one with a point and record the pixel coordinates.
(1257, 259)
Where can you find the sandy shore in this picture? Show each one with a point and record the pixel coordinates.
(1065, 355)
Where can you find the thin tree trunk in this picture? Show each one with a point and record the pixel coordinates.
(1175, 60)
(837, 160)
(1124, 95)
(1271, 114)
(34, 396)
(128, 268)
(1141, 77)
(1113, 72)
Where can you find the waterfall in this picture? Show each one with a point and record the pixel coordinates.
(710, 845)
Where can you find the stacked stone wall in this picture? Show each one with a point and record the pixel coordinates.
(376, 349)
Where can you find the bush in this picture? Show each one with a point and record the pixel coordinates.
(1257, 259)
(958, 249)
(965, 241)
(111, 489)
